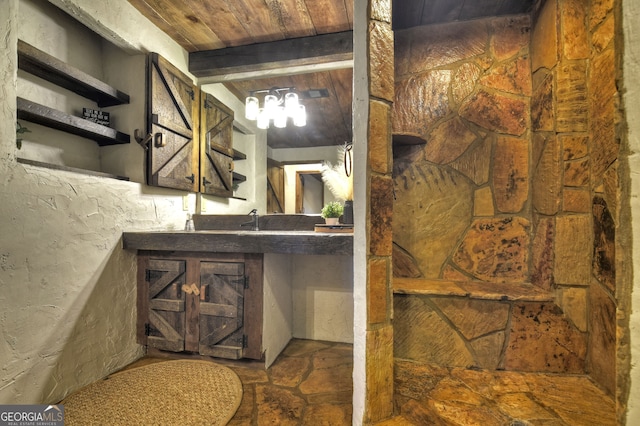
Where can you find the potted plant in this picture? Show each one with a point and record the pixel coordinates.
(331, 212)
(20, 129)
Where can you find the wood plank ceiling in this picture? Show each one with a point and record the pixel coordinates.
(214, 25)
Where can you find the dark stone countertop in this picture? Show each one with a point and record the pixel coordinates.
(243, 241)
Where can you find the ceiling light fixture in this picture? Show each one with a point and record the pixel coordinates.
(279, 105)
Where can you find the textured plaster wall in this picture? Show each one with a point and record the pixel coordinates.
(67, 306)
(323, 298)
(306, 297)
(631, 79)
(277, 328)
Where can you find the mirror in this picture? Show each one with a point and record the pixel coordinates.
(328, 118)
(329, 125)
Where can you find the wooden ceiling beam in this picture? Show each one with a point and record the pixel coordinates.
(283, 57)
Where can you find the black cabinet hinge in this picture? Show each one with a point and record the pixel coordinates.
(246, 282)
(147, 275)
(245, 341)
(147, 329)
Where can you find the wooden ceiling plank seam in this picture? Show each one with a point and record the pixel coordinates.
(349, 8)
(276, 54)
(333, 115)
(344, 93)
(184, 20)
(158, 20)
(292, 16)
(220, 20)
(328, 16)
(254, 15)
(318, 112)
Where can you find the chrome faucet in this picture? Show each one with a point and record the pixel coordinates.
(254, 222)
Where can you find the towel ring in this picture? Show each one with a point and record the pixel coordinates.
(348, 164)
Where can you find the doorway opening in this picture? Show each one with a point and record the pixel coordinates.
(309, 192)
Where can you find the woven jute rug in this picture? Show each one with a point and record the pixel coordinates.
(182, 392)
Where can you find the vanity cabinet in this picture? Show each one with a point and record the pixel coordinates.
(203, 303)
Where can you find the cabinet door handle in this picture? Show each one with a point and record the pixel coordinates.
(160, 140)
(194, 289)
(203, 292)
(191, 289)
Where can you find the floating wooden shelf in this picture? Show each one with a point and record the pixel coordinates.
(237, 155)
(47, 67)
(40, 114)
(237, 177)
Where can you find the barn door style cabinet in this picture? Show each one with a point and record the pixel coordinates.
(190, 142)
(207, 304)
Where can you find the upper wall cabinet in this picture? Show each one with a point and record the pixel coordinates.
(172, 116)
(216, 150)
(190, 132)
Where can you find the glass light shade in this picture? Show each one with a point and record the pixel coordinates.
(300, 117)
(251, 108)
(263, 119)
(280, 119)
(271, 105)
(291, 103)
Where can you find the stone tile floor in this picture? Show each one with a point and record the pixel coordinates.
(427, 395)
(310, 384)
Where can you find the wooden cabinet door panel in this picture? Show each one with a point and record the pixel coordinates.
(216, 147)
(275, 187)
(167, 314)
(222, 309)
(172, 117)
(217, 176)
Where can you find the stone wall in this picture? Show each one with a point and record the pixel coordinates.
(465, 90)
(505, 184)
(575, 153)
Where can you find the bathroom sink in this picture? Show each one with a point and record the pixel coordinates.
(259, 232)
